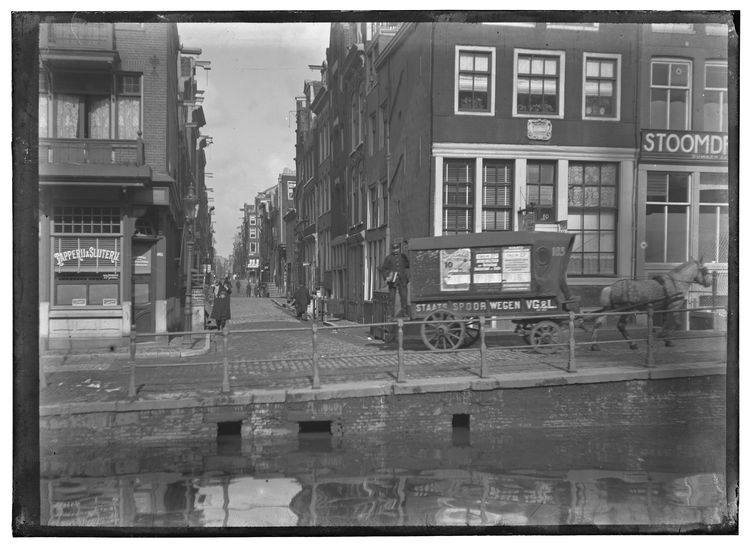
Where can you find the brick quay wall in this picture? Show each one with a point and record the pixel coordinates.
(276, 416)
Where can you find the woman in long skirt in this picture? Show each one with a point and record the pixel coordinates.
(221, 311)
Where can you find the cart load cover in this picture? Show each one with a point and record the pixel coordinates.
(490, 264)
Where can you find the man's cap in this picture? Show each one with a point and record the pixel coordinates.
(395, 246)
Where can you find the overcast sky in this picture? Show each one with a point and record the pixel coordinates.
(257, 69)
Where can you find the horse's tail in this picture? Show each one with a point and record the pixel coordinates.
(605, 299)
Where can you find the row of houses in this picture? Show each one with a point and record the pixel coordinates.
(617, 133)
(125, 219)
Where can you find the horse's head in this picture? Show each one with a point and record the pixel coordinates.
(702, 275)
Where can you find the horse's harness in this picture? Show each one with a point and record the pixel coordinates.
(668, 298)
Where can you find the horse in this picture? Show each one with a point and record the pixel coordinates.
(662, 292)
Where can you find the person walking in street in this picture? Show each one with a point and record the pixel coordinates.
(394, 270)
(239, 286)
(301, 300)
(249, 289)
(221, 311)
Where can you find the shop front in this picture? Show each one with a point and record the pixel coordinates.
(683, 204)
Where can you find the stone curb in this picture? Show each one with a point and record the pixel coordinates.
(374, 388)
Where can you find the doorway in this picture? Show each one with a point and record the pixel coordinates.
(143, 290)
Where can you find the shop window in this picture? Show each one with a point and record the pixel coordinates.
(713, 218)
(540, 189)
(670, 94)
(475, 80)
(458, 197)
(667, 217)
(601, 86)
(715, 100)
(539, 82)
(592, 218)
(497, 195)
(88, 220)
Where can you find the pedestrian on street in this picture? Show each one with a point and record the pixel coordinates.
(239, 286)
(249, 289)
(301, 300)
(221, 311)
(394, 270)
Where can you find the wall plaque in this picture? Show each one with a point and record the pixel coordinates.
(539, 129)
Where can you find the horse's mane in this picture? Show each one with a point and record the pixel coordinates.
(684, 265)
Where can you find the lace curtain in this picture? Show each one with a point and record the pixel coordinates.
(67, 116)
(128, 118)
(99, 118)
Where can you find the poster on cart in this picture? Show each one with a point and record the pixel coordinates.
(517, 268)
(488, 271)
(455, 269)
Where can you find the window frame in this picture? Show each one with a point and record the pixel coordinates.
(491, 50)
(510, 165)
(554, 185)
(617, 88)
(560, 55)
(583, 210)
(687, 204)
(724, 93)
(669, 88)
(468, 208)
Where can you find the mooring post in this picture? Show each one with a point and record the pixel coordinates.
(571, 342)
(484, 371)
(225, 359)
(401, 378)
(131, 390)
(315, 357)
(650, 337)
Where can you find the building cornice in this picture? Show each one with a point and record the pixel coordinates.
(514, 151)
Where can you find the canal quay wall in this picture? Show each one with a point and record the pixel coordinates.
(648, 398)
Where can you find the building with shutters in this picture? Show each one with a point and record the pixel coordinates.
(119, 148)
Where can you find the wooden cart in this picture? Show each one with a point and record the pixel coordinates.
(457, 278)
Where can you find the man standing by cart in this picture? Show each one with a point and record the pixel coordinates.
(394, 270)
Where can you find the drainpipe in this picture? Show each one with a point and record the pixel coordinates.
(387, 129)
(638, 118)
(432, 186)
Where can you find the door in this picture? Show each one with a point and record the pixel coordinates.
(143, 290)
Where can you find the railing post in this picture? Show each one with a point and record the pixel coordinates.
(225, 359)
(401, 378)
(315, 356)
(650, 337)
(131, 389)
(571, 342)
(484, 371)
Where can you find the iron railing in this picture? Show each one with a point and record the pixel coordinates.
(567, 322)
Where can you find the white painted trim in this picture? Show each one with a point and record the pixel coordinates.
(437, 219)
(618, 84)
(520, 188)
(513, 151)
(493, 75)
(561, 208)
(560, 84)
(478, 183)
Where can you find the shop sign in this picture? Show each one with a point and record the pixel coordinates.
(684, 145)
(91, 252)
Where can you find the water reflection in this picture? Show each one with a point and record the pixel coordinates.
(320, 484)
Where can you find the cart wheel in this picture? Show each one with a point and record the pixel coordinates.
(442, 330)
(546, 337)
(472, 332)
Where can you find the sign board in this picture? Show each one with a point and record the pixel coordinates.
(491, 306)
(78, 302)
(142, 263)
(539, 129)
(109, 302)
(517, 268)
(455, 269)
(198, 297)
(672, 145)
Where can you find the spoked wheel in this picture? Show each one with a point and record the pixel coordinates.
(442, 330)
(546, 337)
(472, 332)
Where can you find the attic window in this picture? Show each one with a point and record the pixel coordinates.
(144, 228)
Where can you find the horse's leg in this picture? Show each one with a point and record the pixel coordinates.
(674, 317)
(621, 326)
(598, 322)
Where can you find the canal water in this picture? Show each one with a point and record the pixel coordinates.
(671, 476)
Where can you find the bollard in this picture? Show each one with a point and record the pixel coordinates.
(131, 390)
(401, 378)
(571, 343)
(484, 371)
(315, 357)
(650, 337)
(225, 383)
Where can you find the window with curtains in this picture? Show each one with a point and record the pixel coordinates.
(670, 94)
(497, 195)
(667, 216)
(592, 217)
(458, 197)
(541, 178)
(538, 83)
(715, 100)
(713, 218)
(474, 81)
(602, 86)
(91, 106)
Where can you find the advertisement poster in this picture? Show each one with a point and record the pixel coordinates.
(487, 267)
(517, 269)
(455, 269)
